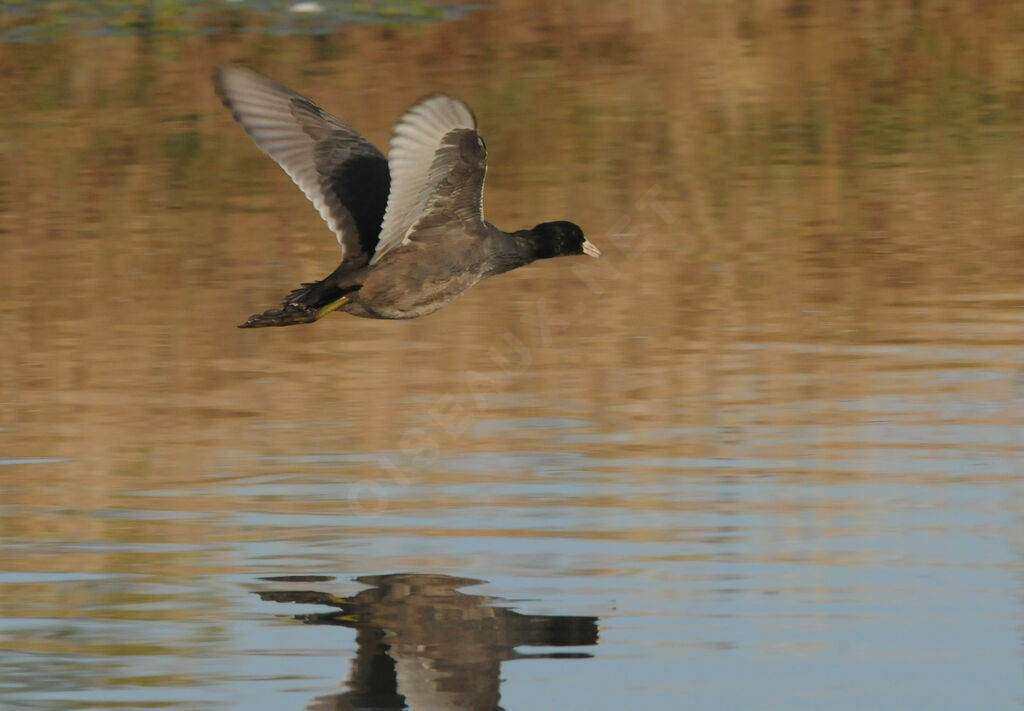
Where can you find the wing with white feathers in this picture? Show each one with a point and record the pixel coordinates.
(437, 160)
(344, 176)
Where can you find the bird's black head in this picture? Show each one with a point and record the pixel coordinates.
(560, 239)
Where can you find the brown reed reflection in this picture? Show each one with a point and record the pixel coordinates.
(425, 645)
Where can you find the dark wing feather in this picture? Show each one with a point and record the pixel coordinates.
(344, 175)
(417, 161)
(459, 165)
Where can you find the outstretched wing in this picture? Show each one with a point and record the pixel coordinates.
(344, 176)
(437, 159)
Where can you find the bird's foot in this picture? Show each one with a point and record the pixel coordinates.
(290, 315)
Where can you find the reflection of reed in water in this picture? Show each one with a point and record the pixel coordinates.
(426, 646)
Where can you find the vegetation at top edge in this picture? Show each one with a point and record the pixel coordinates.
(35, 20)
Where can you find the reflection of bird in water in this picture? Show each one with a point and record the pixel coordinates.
(425, 646)
(411, 228)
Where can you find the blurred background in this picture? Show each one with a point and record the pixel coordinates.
(766, 452)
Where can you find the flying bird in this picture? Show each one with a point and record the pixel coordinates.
(411, 226)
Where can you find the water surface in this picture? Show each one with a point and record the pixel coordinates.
(766, 452)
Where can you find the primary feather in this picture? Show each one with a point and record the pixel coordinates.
(343, 175)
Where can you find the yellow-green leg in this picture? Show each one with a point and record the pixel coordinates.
(333, 306)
